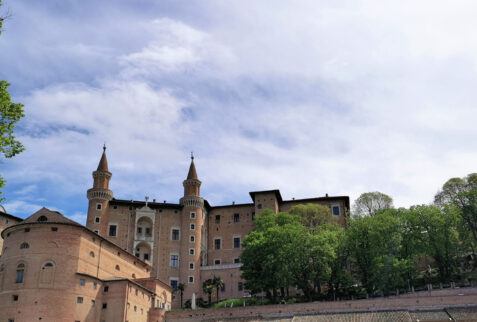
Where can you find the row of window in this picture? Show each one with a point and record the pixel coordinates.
(174, 262)
(218, 242)
(46, 273)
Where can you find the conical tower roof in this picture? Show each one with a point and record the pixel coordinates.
(192, 171)
(103, 163)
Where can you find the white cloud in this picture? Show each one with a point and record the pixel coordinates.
(333, 97)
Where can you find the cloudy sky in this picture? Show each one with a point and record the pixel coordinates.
(310, 97)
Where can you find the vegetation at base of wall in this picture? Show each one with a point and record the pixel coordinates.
(380, 251)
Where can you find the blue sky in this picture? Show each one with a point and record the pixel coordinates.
(338, 97)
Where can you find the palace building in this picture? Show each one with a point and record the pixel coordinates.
(190, 241)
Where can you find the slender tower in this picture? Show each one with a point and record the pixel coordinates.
(193, 231)
(99, 197)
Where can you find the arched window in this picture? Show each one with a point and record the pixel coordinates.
(24, 246)
(91, 254)
(133, 275)
(117, 268)
(20, 273)
(47, 273)
(42, 218)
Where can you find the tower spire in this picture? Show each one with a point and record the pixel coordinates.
(103, 163)
(192, 171)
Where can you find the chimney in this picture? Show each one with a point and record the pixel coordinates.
(326, 195)
(293, 198)
(154, 200)
(165, 201)
(233, 202)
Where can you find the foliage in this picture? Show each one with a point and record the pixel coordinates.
(218, 284)
(280, 252)
(313, 215)
(370, 203)
(208, 288)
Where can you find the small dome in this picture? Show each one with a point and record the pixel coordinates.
(2, 209)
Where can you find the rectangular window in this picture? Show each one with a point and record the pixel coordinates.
(259, 206)
(192, 238)
(192, 226)
(95, 285)
(223, 288)
(148, 232)
(106, 289)
(175, 234)
(112, 230)
(217, 243)
(236, 260)
(174, 284)
(146, 257)
(99, 206)
(217, 262)
(105, 306)
(240, 286)
(79, 300)
(174, 260)
(191, 251)
(27, 230)
(93, 303)
(236, 242)
(15, 298)
(336, 210)
(253, 216)
(139, 230)
(54, 228)
(236, 217)
(82, 282)
(19, 276)
(191, 279)
(192, 215)
(97, 220)
(191, 266)
(217, 219)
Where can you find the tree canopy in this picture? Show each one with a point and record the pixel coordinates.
(369, 203)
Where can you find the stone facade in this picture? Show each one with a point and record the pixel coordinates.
(53, 269)
(190, 241)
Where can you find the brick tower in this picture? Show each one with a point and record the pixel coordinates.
(193, 240)
(99, 197)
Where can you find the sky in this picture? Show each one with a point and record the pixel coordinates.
(309, 97)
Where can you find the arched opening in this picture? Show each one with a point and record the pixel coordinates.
(47, 273)
(117, 268)
(42, 218)
(24, 246)
(143, 251)
(144, 228)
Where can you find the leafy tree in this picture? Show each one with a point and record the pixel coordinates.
(373, 243)
(313, 215)
(181, 288)
(370, 203)
(453, 187)
(10, 114)
(208, 288)
(440, 237)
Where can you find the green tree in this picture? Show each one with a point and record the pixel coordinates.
(10, 114)
(373, 243)
(208, 288)
(218, 284)
(370, 203)
(267, 257)
(313, 215)
(440, 237)
(181, 288)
